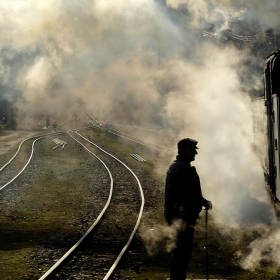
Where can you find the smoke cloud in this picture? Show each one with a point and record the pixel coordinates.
(230, 171)
(264, 248)
(227, 11)
(146, 63)
(160, 236)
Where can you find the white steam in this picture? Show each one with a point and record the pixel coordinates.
(210, 102)
(228, 10)
(160, 236)
(144, 62)
(265, 248)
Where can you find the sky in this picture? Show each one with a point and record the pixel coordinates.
(148, 63)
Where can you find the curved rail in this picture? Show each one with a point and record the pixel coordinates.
(19, 147)
(111, 270)
(73, 248)
(95, 120)
(144, 128)
(14, 156)
(57, 264)
(129, 137)
(31, 154)
(136, 139)
(24, 165)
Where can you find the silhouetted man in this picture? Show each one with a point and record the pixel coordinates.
(183, 201)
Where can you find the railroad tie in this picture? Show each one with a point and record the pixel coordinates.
(140, 158)
(58, 143)
(137, 157)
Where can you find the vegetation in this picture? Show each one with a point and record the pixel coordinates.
(45, 203)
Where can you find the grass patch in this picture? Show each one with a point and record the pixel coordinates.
(13, 264)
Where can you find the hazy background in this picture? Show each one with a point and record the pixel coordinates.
(149, 63)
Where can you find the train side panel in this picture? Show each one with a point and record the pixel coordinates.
(272, 95)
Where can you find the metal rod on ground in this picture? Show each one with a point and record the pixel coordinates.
(206, 241)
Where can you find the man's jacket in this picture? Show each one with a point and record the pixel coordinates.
(183, 197)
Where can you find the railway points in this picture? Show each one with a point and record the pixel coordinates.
(59, 143)
(61, 261)
(98, 264)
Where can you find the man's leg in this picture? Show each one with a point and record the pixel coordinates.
(182, 254)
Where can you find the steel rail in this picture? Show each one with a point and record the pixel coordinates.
(43, 135)
(144, 128)
(122, 133)
(73, 248)
(139, 127)
(87, 118)
(141, 143)
(32, 150)
(113, 267)
(99, 124)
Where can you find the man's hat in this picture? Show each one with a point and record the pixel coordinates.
(187, 143)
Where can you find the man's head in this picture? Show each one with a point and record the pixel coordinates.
(187, 149)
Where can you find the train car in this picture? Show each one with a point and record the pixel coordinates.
(272, 104)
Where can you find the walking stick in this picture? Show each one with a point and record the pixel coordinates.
(206, 246)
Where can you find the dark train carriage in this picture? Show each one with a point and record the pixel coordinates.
(272, 95)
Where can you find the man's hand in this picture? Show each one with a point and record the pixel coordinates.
(208, 205)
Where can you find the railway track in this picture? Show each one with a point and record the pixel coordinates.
(12, 169)
(126, 199)
(51, 233)
(121, 203)
(125, 203)
(110, 128)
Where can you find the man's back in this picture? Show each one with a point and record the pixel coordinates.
(183, 198)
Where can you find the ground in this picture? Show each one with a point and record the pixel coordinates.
(147, 257)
